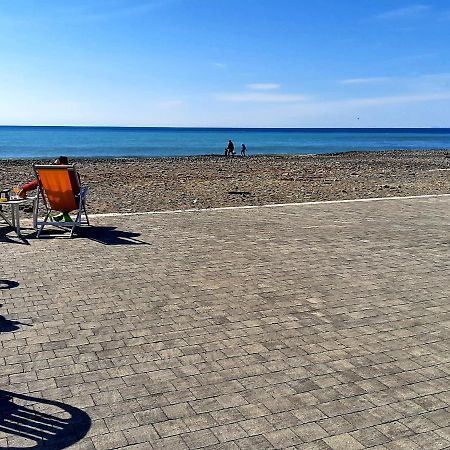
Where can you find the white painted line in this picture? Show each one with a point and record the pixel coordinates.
(275, 205)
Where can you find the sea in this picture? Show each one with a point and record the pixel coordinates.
(118, 142)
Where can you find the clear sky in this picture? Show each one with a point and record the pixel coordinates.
(281, 63)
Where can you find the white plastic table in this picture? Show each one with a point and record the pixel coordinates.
(15, 213)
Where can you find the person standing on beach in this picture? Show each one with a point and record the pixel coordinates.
(243, 150)
(229, 151)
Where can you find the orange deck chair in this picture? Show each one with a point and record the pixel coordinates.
(60, 190)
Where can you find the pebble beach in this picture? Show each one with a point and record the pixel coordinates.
(157, 184)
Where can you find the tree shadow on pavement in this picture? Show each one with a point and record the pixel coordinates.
(47, 424)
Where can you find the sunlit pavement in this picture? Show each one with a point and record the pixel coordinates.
(311, 326)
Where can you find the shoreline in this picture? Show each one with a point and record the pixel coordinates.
(221, 156)
(211, 181)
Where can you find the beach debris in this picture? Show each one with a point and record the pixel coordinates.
(239, 193)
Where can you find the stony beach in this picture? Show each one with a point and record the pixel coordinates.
(155, 184)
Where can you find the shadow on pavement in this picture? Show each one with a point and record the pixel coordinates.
(103, 235)
(7, 326)
(111, 236)
(4, 238)
(8, 284)
(34, 423)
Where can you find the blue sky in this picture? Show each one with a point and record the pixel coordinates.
(282, 63)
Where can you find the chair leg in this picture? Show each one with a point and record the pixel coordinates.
(43, 223)
(85, 213)
(71, 232)
(77, 222)
(35, 212)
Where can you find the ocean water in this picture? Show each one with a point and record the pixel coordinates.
(77, 142)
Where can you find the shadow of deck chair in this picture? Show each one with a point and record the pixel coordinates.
(60, 190)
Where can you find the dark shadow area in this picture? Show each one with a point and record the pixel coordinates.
(6, 229)
(243, 193)
(45, 423)
(56, 232)
(8, 284)
(7, 326)
(103, 235)
(111, 236)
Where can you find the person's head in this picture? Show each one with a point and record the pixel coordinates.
(62, 160)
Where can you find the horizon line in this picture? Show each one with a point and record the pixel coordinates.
(225, 127)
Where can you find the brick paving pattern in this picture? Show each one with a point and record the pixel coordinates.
(310, 327)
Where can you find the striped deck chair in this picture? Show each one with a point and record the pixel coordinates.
(60, 190)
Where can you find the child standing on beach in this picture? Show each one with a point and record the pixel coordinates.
(243, 150)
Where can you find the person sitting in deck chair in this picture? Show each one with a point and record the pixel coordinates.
(33, 185)
(60, 190)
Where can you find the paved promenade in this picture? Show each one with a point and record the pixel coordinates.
(320, 326)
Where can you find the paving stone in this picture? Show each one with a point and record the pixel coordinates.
(110, 441)
(394, 430)
(252, 442)
(343, 442)
(171, 427)
(226, 416)
(444, 432)
(370, 437)
(121, 422)
(150, 416)
(283, 438)
(223, 446)
(229, 432)
(178, 410)
(141, 434)
(401, 444)
(316, 445)
(253, 411)
(430, 440)
(173, 442)
(200, 439)
(336, 425)
(259, 425)
(309, 432)
(200, 422)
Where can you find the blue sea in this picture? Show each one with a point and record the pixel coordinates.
(106, 142)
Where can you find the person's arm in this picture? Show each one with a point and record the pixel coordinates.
(31, 186)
